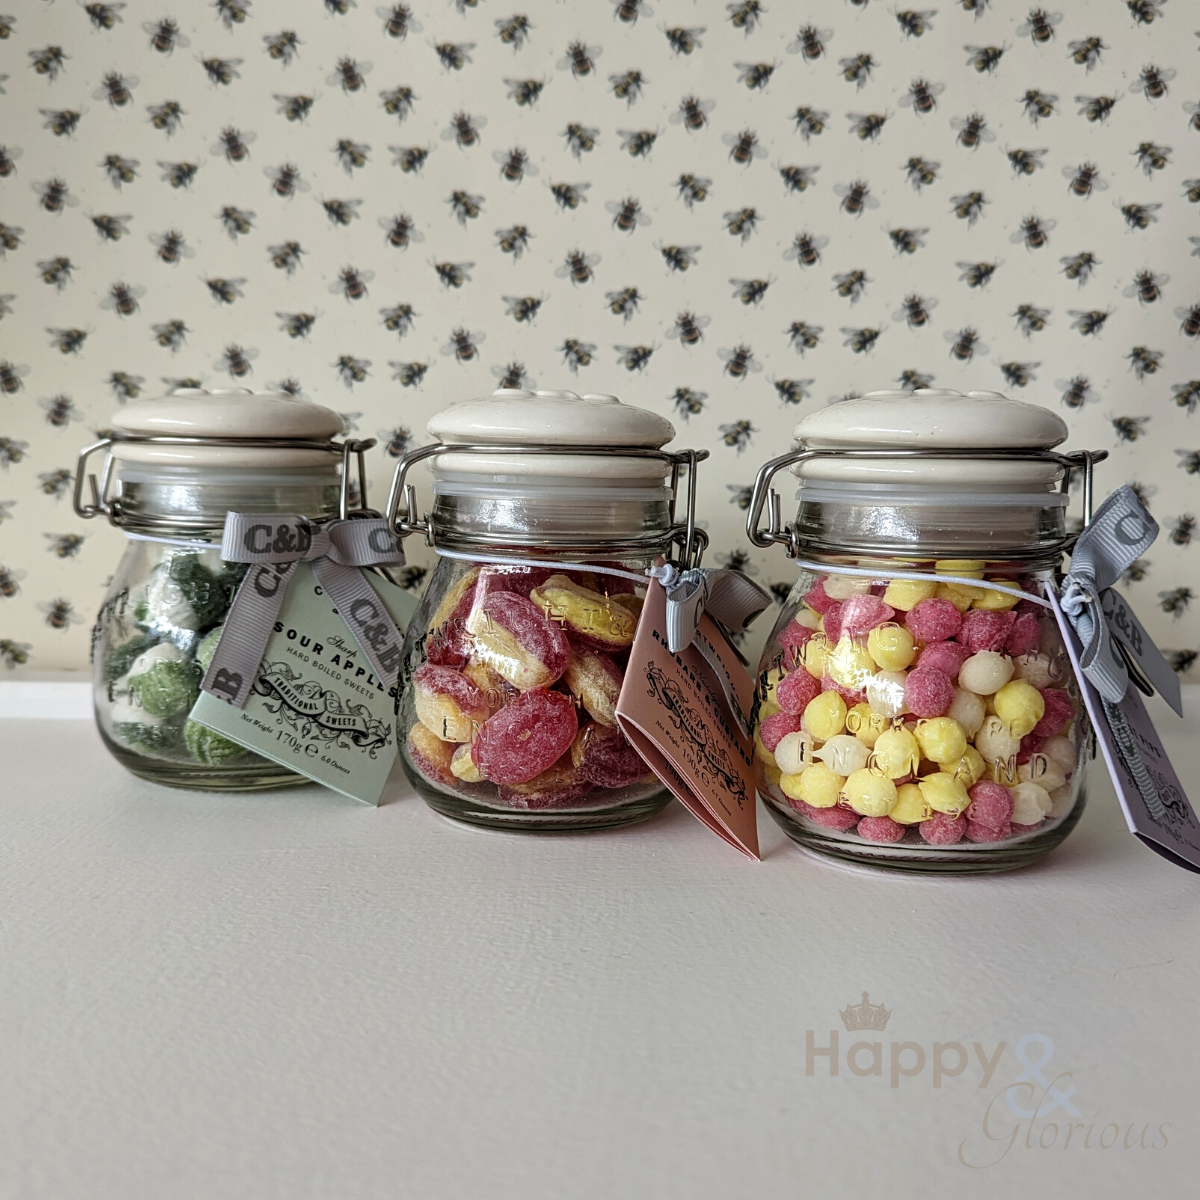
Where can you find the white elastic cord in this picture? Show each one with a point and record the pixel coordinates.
(166, 541)
(921, 577)
(539, 562)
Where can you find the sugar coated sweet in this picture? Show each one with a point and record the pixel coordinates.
(976, 832)
(880, 829)
(1020, 706)
(794, 752)
(429, 754)
(968, 710)
(944, 793)
(870, 794)
(837, 818)
(774, 728)
(1034, 668)
(555, 787)
(825, 716)
(933, 620)
(969, 769)
(944, 656)
(605, 758)
(891, 646)
(942, 739)
(994, 600)
(995, 742)
(813, 655)
(1061, 753)
(942, 829)
(794, 635)
(1031, 802)
(897, 753)
(596, 680)
(991, 803)
(518, 640)
(843, 754)
(526, 737)
(985, 673)
(911, 807)
(885, 693)
(448, 703)
(984, 630)
(842, 587)
(796, 691)
(906, 594)
(588, 616)
(928, 692)
(865, 723)
(818, 786)
(818, 599)
(1058, 712)
(831, 625)
(1025, 635)
(850, 664)
(861, 614)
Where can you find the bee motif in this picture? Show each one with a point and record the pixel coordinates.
(9, 155)
(349, 74)
(804, 336)
(627, 87)
(683, 40)
(1090, 322)
(104, 16)
(340, 8)
(1039, 26)
(1181, 661)
(857, 70)
(581, 139)
(192, 384)
(512, 376)
(400, 231)
(907, 241)
(515, 164)
(125, 386)
(410, 159)
(56, 271)
(296, 325)
(170, 247)
(397, 441)
(1129, 429)
(411, 577)
(1039, 105)
(1187, 395)
(1176, 601)
(514, 240)
(164, 35)
(689, 328)
(167, 116)
(679, 258)
(915, 24)
(1034, 232)
(569, 195)
(55, 483)
(1190, 318)
(398, 21)
(1086, 52)
(409, 374)
(1031, 319)
(231, 12)
(462, 345)
(351, 154)
(341, 212)
(1146, 286)
(1192, 108)
(745, 14)
(692, 113)
(222, 71)
(1144, 12)
(285, 256)
(294, 108)
(236, 361)
(283, 46)
(54, 196)
(737, 435)
(1075, 392)
(922, 96)
(965, 344)
(225, 291)
(1189, 461)
(352, 370)
(62, 122)
(1084, 179)
(1017, 374)
(286, 181)
(465, 206)
(580, 59)
(856, 197)
(915, 312)
(464, 129)
(744, 147)
(525, 91)
(14, 654)
(866, 126)
(1140, 216)
(123, 299)
(921, 172)
(11, 377)
(984, 58)
(116, 89)
(10, 580)
(1153, 82)
(1143, 361)
(809, 121)
(233, 144)
(290, 385)
(1152, 158)
(639, 143)
(1191, 192)
(398, 102)
(577, 354)
(739, 363)
(64, 545)
(453, 274)
(70, 341)
(398, 319)
(692, 188)
(170, 335)
(578, 267)
(1095, 108)
(755, 76)
(628, 11)
(627, 214)
(972, 131)
(1025, 162)
(60, 614)
(623, 303)
(851, 285)
(860, 341)
(810, 42)
(178, 175)
(525, 308)
(790, 391)
(352, 283)
(750, 291)
(798, 179)
(688, 402)
(806, 249)
(48, 62)
(60, 411)
(634, 358)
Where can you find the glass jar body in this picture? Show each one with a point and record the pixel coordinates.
(941, 722)
(508, 694)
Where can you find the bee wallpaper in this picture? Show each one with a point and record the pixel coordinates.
(731, 213)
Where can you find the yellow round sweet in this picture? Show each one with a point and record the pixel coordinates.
(944, 793)
(896, 753)
(1020, 706)
(772, 774)
(869, 794)
(906, 594)
(807, 619)
(993, 601)
(842, 587)
(911, 807)
(814, 654)
(825, 716)
(972, 568)
(865, 724)
(961, 595)
(891, 646)
(850, 664)
(969, 769)
(942, 739)
(818, 786)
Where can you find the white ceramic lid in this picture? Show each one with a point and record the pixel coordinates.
(933, 419)
(511, 417)
(226, 413)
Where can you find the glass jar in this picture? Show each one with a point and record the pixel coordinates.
(915, 705)
(548, 508)
(176, 466)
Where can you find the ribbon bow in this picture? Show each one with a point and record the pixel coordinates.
(729, 597)
(273, 544)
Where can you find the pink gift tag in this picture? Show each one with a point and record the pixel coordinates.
(1175, 834)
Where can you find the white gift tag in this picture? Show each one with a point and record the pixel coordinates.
(1125, 626)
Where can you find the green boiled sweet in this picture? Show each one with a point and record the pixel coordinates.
(168, 687)
(209, 747)
(208, 647)
(121, 658)
(203, 590)
(156, 738)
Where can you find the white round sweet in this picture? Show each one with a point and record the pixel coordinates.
(985, 673)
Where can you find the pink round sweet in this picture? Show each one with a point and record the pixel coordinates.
(1029, 606)
(944, 656)
(991, 804)
(860, 614)
(1031, 744)
(833, 624)
(795, 691)
(526, 737)
(776, 727)
(610, 761)
(1059, 710)
(988, 833)
(793, 635)
(928, 692)
(817, 600)
(880, 829)
(933, 620)
(983, 629)
(851, 695)
(836, 817)
(942, 829)
(1025, 635)
(1019, 829)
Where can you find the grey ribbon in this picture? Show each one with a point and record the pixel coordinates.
(273, 543)
(729, 597)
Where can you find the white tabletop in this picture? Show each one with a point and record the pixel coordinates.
(288, 995)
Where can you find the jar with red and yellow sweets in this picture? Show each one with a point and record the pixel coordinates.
(548, 507)
(916, 707)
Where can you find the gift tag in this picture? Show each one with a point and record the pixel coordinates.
(1168, 825)
(1124, 625)
(672, 707)
(316, 706)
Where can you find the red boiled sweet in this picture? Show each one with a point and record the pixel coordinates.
(988, 833)
(793, 635)
(447, 702)
(944, 656)
(516, 639)
(860, 614)
(430, 755)
(447, 642)
(991, 804)
(795, 691)
(880, 829)
(1059, 710)
(836, 817)
(933, 620)
(1025, 635)
(851, 695)
(942, 829)
(832, 627)
(983, 629)
(928, 692)
(606, 758)
(526, 737)
(556, 787)
(817, 600)
(777, 726)
(1031, 744)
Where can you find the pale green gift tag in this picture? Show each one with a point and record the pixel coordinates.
(316, 705)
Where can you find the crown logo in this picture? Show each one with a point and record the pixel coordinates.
(865, 1015)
